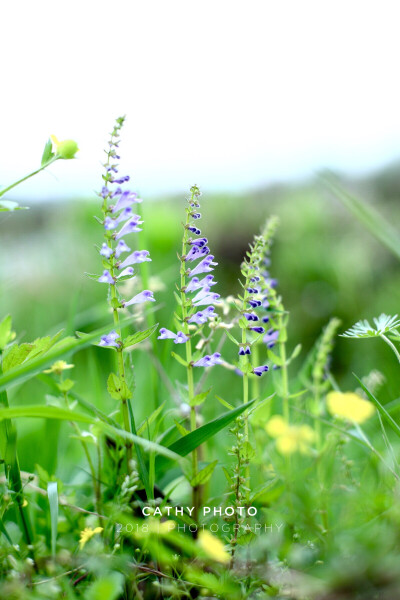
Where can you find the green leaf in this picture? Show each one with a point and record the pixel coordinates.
(224, 403)
(66, 385)
(275, 358)
(61, 348)
(199, 398)
(195, 438)
(52, 495)
(150, 419)
(47, 155)
(227, 475)
(4, 531)
(108, 587)
(233, 339)
(5, 331)
(204, 475)
(16, 356)
(179, 359)
(117, 388)
(182, 430)
(139, 336)
(43, 412)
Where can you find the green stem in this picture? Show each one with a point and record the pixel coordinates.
(284, 369)
(393, 347)
(13, 185)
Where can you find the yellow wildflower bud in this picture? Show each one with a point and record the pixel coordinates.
(64, 149)
(213, 546)
(349, 406)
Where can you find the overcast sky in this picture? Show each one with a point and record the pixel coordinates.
(226, 94)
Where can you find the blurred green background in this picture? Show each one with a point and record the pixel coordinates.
(327, 265)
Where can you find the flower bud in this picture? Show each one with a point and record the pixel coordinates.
(65, 149)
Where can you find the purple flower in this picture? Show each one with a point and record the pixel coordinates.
(193, 285)
(260, 370)
(106, 278)
(270, 338)
(106, 251)
(196, 215)
(251, 316)
(258, 329)
(139, 256)
(205, 299)
(126, 272)
(126, 199)
(120, 248)
(104, 192)
(244, 350)
(181, 338)
(110, 339)
(130, 227)
(254, 303)
(166, 334)
(255, 279)
(204, 266)
(209, 361)
(265, 319)
(121, 179)
(194, 230)
(199, 242)
(144, 296)
(202, 316)
(197, 252)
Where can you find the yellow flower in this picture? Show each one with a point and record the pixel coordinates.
(349, 406)
(66, 148)
(160, 527)
(87, 534)
(290, 438)
(276, 426)
(213, 546)
(58, 367)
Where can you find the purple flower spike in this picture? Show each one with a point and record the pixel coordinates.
(260, 370)
(110, 339)
(106, 251)
(144, 296)
(197, 252)
(204, 266)
(258, 329)
(139, 256)
(206, 299)
(181, 338)
(120, 248)
(130, 227)
(126, 272)
(209, 361)
(106, 278)
(166, 334)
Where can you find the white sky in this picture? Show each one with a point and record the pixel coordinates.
(226, 94)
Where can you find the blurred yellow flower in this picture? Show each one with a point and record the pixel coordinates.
(290, 438)
(160, 527)
(87, 534)
(349, 406)
(58, 367)
(64, 149)
(213, 546)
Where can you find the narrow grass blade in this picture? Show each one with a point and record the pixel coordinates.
(142, 465)
(368, 216)
(52, 494)
(389, 420)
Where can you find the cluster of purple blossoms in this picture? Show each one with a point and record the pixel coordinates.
(119, 220)
(196, 283)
